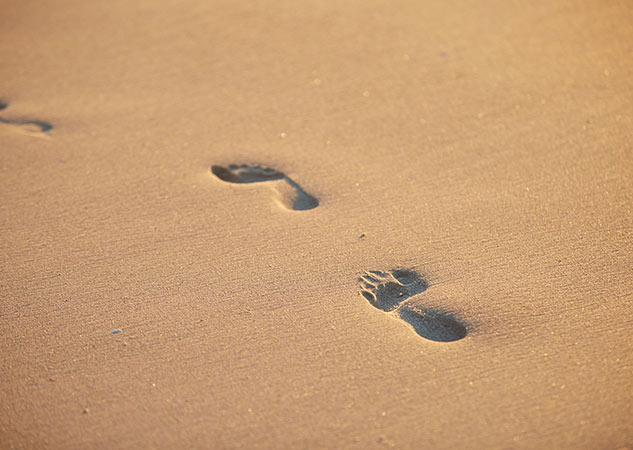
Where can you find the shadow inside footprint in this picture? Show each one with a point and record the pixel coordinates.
(246, 174)
(387, 290)
(433, 324)
(291, 195)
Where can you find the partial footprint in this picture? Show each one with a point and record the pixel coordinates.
(389, 292)
(35, 128)
(386, 290)
(291, 195)
(433, 324)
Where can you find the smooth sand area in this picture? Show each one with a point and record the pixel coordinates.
(418, 233)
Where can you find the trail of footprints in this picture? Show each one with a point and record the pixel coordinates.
(35, 128)
(390, 291)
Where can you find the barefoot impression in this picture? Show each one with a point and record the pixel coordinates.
(390, 292)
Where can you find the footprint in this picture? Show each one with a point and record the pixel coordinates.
(31, 127)
(389, 292)
(291, 195)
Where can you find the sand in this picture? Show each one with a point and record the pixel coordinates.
(471, 160)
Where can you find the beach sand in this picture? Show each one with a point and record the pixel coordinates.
(429, 246)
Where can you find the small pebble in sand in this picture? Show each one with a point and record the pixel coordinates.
(117, 331)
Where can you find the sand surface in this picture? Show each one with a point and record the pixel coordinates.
(479, 151)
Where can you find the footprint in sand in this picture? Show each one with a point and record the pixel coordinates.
(35, 128)
(389, 292)
(291, 195)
